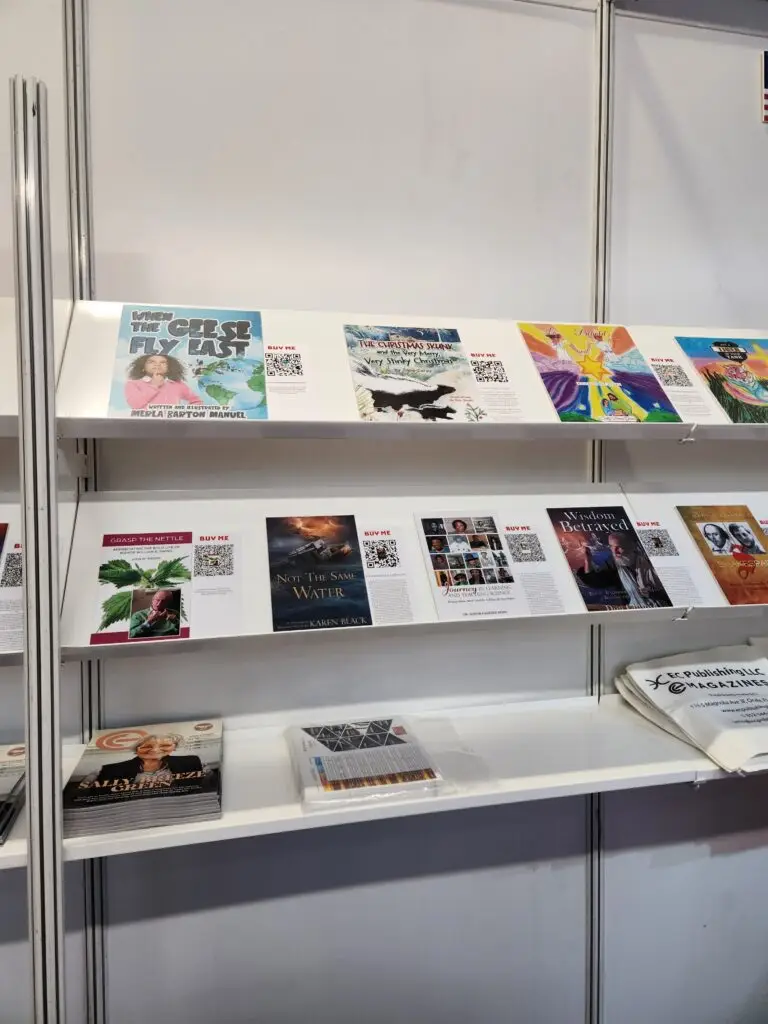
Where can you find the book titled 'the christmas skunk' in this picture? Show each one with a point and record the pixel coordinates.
(167, 774)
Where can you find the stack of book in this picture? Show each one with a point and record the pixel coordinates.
(359, 760)
(716, 700)
(12, 764)
(149, 775)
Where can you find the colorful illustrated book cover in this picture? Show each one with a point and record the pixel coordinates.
(316, 573)
(595, 373)
(145, 585)
(186, 363)
(412, 373)
(736, 372)
(733, 545)
(607, 560)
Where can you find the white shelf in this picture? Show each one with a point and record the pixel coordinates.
(9, 388)
(327, 409)
(531, 752)
(13, 852)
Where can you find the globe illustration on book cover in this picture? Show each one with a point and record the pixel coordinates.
(235, 384)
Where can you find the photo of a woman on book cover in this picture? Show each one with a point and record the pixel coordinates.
(155, 762)
(158, 380)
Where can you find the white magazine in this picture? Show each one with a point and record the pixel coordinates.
(360, 760)
(717, 699)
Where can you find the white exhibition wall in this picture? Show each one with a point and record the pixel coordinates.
(414, 156)
(684, 903)
(425, 156)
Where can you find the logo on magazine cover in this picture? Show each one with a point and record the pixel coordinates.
(124, 739)
(203, 726)
(708, 679)
(16, 752)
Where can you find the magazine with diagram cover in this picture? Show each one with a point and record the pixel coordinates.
(716, 700)
(12, 769)
(360, 760)
(144, 776)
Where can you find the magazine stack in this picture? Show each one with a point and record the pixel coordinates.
(11, 787)
(359, 760)
(151, 775)
(716, 700)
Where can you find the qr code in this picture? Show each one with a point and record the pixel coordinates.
(12, 570)
(657, 543)
(284, 364)
(381, 554)
(214, 559)
(672, 375)
(489, 371)
(525, 547)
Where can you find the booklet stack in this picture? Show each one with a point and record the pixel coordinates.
(146, 776)
(360, 760)
(11, 787)
(716, 700)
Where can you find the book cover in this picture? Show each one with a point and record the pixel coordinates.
(180, 362)
(735, 370)
(733, 546)
(412, 373)
(317, 580)
(380, 754)
(607, 560)
(595, 373)
(146, 762)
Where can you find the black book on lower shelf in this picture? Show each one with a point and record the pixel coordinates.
(146, 776)
(12, 765)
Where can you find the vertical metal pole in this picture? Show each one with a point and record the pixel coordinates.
(75, 17)
(600, 283)
(37, 446)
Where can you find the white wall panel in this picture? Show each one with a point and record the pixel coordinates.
(445, 918)
(402, 155)
(32, 44)
(685, 921)
(422, 155)
(684, 918)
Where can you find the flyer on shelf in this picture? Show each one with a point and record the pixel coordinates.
(595, 373)
(148, 775)
(607, 559)
(672, 552)
(734, 547)
(412, 373)
(735, 371)
(181, 362)
(167, 586)
(337, 571)
(354, 760)
(11, 595)
(489, 564)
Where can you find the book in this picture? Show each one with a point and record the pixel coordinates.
(167, 586)
(317, 580)
(181, 362)
(595, 373)
(412, 373)
(12, 778)
(607, 560)
(359, 760)
(734, 548)
(143, 776)
(715, 700)
(735, 371)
